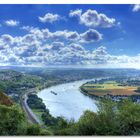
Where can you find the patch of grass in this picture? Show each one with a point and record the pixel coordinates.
(38, 113)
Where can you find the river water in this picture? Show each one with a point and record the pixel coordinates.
(69, 102)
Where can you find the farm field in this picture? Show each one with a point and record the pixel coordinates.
(109, 87)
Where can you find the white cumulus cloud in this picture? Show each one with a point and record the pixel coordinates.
(12, 23)
(136, 8)
(92, 18)
(75, 13)
(49, 18)
(43, 47)
(91, 36)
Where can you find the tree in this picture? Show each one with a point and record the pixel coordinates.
(12, 120)
(33, 130)
(101, 123)
(121, 118)
(138, 89)
(128, 118)
(86, 124)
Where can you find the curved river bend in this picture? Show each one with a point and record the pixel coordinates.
(69, 101)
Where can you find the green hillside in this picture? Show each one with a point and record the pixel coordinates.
(5, 100)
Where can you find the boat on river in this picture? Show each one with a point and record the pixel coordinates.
(53, 92)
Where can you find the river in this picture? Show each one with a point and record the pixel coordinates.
(67, 100)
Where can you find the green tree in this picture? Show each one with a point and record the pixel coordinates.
(86, 124)
(121, 118)
(33, 129)
(12, 120)
(128, 118)
(138, 89)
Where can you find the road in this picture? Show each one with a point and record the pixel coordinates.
(29, 113)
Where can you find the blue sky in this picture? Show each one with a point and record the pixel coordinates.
(95, 35)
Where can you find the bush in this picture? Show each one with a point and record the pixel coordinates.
(138, 90)
(111, 119)
(35, 102)
(12, 121)
(128, 118)
(33, 130)
(86, 124)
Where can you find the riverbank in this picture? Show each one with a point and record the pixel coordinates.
(88, 94)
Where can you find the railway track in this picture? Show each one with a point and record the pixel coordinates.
(32, 118)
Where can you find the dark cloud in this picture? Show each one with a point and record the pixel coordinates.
(57, 46)
(91, 36)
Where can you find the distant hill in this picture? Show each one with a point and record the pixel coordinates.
(14, 83)
(5, 100)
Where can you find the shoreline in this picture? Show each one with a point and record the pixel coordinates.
(95, 97)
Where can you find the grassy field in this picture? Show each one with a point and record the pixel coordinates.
(109, 87)
(37, 112)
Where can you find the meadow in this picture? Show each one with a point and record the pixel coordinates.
(109, 87)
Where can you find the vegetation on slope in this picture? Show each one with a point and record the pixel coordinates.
(13, 122)
(35, 102)
(138, 90)
(5, 100)
(14, 83)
